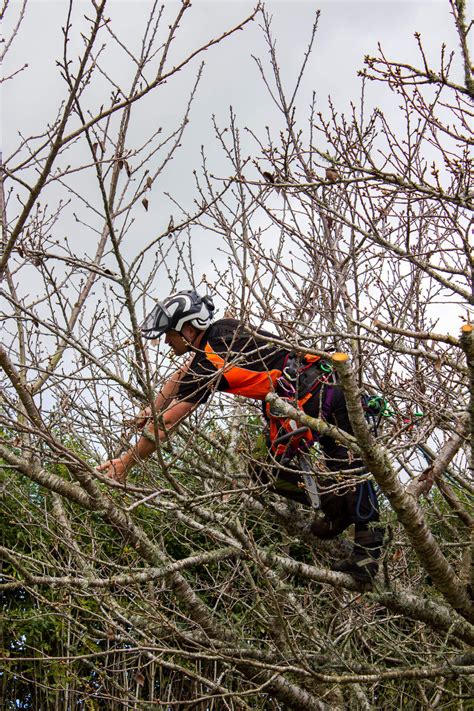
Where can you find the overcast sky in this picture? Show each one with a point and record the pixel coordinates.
(347, 31)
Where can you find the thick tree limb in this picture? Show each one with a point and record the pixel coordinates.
(405, 506)
(467, 344)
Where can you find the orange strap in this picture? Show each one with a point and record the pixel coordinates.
(277, 424)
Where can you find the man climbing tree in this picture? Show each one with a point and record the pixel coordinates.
(229, 358)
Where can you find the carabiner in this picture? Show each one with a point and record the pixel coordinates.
(325, 367)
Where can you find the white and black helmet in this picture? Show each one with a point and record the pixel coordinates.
(178, 309)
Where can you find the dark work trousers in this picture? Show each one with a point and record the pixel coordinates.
(342, 504)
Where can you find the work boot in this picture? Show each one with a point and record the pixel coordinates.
(363, 564)
(363, 570)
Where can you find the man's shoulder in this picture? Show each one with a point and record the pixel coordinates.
(231, 329)
(232, 323)
(223, 327)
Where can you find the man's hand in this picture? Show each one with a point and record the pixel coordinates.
(115, 469)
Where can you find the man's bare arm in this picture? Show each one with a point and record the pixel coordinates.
(117, 468)
(165, 397)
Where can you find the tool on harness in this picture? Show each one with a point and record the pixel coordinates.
(375, 407)
(304, 467)
(299, 379)
(288, 435)
(304, 464)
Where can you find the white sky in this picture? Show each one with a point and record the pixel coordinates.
(348, 30)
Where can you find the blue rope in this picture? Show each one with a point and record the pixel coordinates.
(372, 499)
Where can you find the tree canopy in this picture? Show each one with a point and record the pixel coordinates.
(190, 586)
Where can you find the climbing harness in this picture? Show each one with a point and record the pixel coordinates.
(287, 441)
(375, 408)
(299, 379)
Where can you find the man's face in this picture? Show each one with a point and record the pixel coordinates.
(176, 341)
